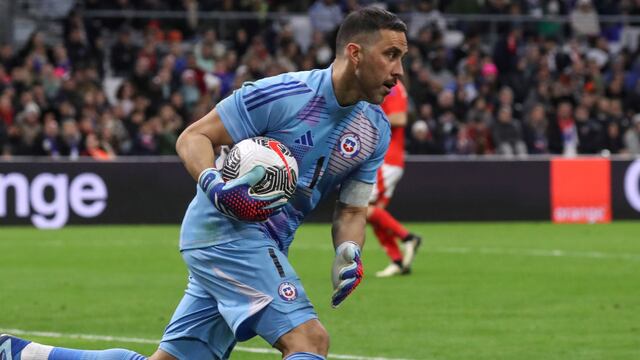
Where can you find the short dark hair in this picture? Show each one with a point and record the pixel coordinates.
(367, 20)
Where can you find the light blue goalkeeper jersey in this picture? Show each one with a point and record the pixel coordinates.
(331, 144)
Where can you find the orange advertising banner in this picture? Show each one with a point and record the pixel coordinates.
(581, 190)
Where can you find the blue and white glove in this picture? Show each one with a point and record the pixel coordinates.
(347, 271)
(236, 198)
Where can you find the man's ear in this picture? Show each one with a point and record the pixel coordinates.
(354, 53)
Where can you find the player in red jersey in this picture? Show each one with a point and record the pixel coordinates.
(387, 229)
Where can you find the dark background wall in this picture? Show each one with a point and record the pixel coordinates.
(431, 190)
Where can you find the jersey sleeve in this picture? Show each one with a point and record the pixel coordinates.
(258, 107)
(366, 172)
(241, 124)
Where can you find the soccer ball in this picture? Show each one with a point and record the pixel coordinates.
(280, 165)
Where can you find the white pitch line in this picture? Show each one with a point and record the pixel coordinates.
(134, 340)
(502, 251)
(535, 252)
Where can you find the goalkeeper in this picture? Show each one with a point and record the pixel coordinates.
(240, 281)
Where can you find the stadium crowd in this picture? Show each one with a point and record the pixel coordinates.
(128, 86)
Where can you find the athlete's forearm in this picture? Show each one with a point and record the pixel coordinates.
(349, 223)
(195, 151)
(195, 144)
(348, 238)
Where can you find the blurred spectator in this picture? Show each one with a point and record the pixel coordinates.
(566, 138)
(36, 51)
(505, 100)
(5, 150)
(51, 81)
(539, 95)
(632, 136)
(78, 49)
(506, 51)
(7, 57)
(448, 132)
(241, 41)
(425, 16)
(446, 102)
(480, 111)
(168, 126)
(208, 50)
(320, 50)
(617, 115)
(149, 52)
(95, 150)
(146, 140)
(590, 132)
(124, 97)
(584, 19)
(288, 55)
(507, 134)
(325, 16)
(474, 138)
(438, 67)
(614, 142)
(535, 130)
(161, 87)
(113, 132)
(600, 53)
(603, 110)
(189, 89)
(6, 109)
(49, 142)
(422, 141)
(71, 139)
(123, 54)
(141, 78)
(28, 129)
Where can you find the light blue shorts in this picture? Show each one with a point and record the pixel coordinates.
(236, 291)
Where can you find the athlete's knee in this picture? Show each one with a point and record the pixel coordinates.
(319, 337)
(309, 337)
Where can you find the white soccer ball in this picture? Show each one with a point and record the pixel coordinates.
(280, 166)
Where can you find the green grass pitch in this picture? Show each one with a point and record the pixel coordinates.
(478, 291)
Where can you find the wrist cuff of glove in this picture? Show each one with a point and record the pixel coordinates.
(346, 244)
(207, 177)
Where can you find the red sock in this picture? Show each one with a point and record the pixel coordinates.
(381, 218)
(389, 243)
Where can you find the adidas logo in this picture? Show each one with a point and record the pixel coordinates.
(305, 139)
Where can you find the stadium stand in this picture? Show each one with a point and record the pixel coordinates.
(492, 77)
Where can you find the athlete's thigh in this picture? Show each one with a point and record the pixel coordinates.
(256, 288)
(391, 176)
(377, 193)
(197, 330)
(387, 179)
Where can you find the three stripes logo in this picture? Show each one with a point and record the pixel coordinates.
(265, 95)
(305, 139)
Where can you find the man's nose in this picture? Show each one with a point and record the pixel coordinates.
(398, 69)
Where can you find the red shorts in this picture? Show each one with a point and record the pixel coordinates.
(387, 179)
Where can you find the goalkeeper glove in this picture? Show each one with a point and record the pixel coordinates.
(236, 199)
(347, 271)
